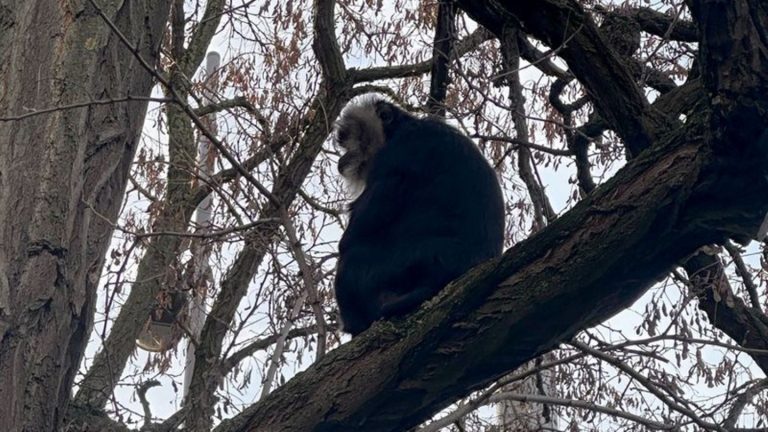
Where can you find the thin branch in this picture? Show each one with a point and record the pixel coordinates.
(533, 146)
(199, 123)
(280, 344)
(741, 402)
(36, 112)
(648, 384)
(237, 102)
(142, 190)
(310, 286)
(262, 344)
(208, 235)
(576, 140)
(325, 45)
(546, 400)
(745, 274)
(464, 46)
(543, 212)
(320, 207)
(141, 392)
(201, 37)
(370, 88)
(228, 174)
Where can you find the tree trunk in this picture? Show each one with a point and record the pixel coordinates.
(62, 178)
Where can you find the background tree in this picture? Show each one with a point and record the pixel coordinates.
(631, 141)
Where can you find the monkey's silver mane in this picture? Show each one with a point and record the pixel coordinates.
(360, 133)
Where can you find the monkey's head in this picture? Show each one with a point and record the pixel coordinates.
(362, 130)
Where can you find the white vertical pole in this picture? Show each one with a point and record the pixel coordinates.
(200, 251)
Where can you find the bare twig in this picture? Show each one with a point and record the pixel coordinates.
(199, 123)
(470, 43)
(648, 384)
(524, 143)
(547, 400)
(141, 392)
(745, 274)
(542, 209)
(308, 275)
(110, 101)
(274, 361)
(741, 402)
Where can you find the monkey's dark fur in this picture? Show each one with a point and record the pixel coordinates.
(428, 207)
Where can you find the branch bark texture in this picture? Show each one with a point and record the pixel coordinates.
(57, 171)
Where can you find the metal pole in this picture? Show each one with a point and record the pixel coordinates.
(201, 271)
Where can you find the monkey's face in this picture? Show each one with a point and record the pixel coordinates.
(362, 130)
(360, 133)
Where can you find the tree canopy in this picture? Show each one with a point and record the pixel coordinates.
(167, 176)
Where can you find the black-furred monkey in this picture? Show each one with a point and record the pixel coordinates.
(428, 208)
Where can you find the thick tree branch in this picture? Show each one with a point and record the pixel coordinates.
(681, 99)
(325, 45)
(747, 326)
(588, 264)
(663, 25)
(563, 24)
(51, 258)
(201, 37)
(733, 54)
(462, 47)
(732, 57)
(442, 54)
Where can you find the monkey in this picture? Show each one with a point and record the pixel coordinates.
(426, 207)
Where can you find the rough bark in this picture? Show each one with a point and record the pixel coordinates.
(746, 325)
(588, 265)
(442, 54)
(564, 25)
(178, 206)
(62, 178)
(734, 52)
(63, 174)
